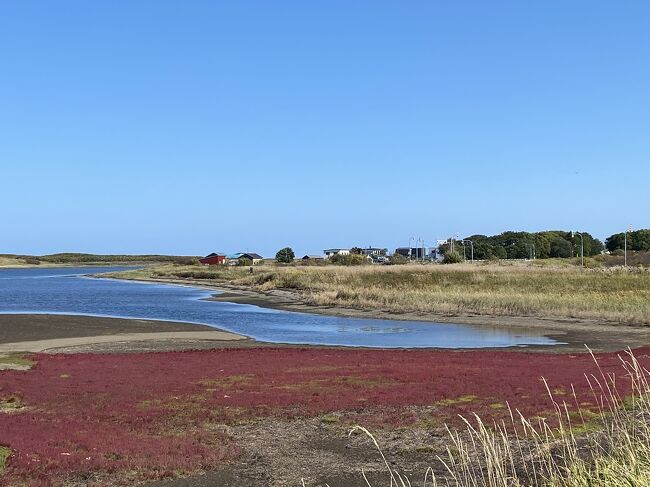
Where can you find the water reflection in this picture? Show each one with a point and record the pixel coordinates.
(65, 291)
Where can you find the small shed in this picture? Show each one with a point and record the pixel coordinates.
(215, 258)
(252, 256)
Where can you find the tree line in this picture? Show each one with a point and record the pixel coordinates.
(638, 240)
(527, 245)
(547, 244)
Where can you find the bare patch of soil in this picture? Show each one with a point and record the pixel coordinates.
(281, 453)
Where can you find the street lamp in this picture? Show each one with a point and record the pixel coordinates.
(628, 229)
(471, 245)
(582, 248)
(410, 254)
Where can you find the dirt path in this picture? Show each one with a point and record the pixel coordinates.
(329, 455)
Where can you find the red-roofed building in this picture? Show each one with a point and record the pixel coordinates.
(214, 258)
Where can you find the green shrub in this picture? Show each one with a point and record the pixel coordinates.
(398, 259)
(452, 258)
(350, 259)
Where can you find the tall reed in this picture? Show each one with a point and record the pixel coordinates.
(568, 450)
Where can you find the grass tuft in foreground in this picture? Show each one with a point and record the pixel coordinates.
(569, 453)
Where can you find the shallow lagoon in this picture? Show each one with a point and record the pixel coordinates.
(69, 291)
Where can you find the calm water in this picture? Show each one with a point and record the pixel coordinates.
(67, 291)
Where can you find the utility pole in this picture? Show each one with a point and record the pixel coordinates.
(471, 246)
(628, 229)
(582, 248)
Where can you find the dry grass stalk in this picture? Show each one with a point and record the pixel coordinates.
(610, 449)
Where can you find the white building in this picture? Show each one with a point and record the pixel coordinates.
(329, 253)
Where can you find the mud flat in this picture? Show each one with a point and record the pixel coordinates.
(53, 332)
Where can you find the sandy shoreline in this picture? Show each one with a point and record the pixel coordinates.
(78, 333)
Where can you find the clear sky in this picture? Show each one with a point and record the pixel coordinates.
(188, 127)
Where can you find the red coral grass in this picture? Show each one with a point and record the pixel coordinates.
(138, 416)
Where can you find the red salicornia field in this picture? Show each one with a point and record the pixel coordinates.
(140, 416)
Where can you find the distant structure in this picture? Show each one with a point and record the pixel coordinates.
(253, 257)
(415, 253)
(215, 258)
(218, 258)
(234, 259)
(329, 253)
(374, 251)
(313, 257)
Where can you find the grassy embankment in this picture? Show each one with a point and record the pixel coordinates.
(615, 295)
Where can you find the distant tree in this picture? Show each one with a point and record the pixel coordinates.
(596, 247)
(593, 246)
(520, 245)
(560, 248)
(542, 241)
(356, 251)
(447, 247)
(638, 240)
(516, 244)
(500, 253)
(244, 262)
(482, 248)
(285, 255)
(615, 242)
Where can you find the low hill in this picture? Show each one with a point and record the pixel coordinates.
(71, 258)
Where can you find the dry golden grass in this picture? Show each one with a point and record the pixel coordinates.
(606, 294)
(12, 262)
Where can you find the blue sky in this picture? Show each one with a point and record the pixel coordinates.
(187, 127)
